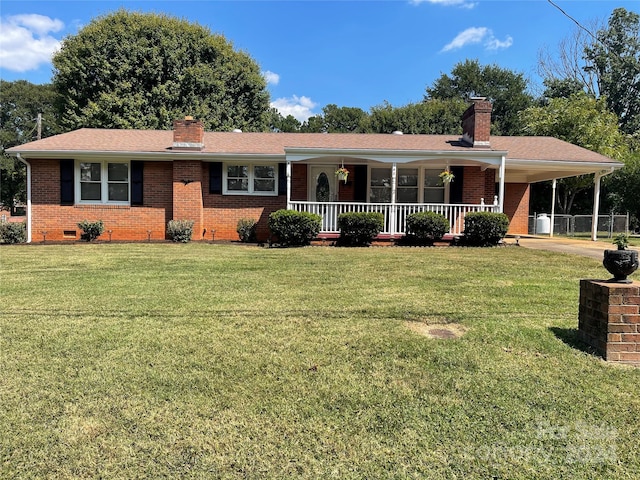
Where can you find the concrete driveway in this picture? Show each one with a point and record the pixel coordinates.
(585, 248)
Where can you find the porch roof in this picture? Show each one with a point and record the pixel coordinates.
(535, 158)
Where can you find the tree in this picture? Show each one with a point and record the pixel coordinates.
(336, 119)
(20, 104)
(581, 120)
(428, 117)
(505, 88)
(624, 189)
(137, 70)
(278, 123)
(615, 59)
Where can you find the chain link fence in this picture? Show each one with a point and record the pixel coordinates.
(580, 225)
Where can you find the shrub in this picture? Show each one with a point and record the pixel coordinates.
(246, 229)
(427, 227)
(484, 229)
(358, 229)
(90, 230)
(13, 232)
(180, 230)
(294, 228)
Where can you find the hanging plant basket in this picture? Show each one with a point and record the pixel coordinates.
(447, 176)
(342, 174)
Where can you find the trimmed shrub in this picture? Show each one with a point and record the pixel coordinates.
(294, 229)
(358, 229)
(246, 229)
(13, 232)
(426, 227)
(180, 231)
(90, 230)
(484, 229)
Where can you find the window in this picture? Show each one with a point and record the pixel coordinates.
(433, 187)
(103, 182)
(407, 191)
(380, 185)
(250, 179)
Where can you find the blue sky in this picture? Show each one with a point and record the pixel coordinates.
(313, 53)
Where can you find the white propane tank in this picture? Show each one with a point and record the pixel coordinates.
(543, 224)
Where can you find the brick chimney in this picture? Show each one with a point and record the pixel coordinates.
(188, 134)
(476, 123)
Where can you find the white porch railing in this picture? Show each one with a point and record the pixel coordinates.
(395, 215)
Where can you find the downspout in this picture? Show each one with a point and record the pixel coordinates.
(596, 202)
(19, 157)
(553, 205)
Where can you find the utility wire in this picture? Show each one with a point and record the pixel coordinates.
(575, 21)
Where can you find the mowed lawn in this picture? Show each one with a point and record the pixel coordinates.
(230, 361)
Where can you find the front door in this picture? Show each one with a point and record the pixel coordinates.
(322, 184)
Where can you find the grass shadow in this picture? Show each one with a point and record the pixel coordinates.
(570, 337)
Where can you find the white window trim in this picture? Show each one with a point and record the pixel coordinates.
(250, 167)
(421, 175)
(104, 183)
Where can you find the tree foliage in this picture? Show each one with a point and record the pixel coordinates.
(336, 119)
(581, 120)
(137, 70)
(615, 59)
(20, 104)
(505, 88)
(429, 117)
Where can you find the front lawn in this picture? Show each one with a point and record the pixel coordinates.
(229, 361)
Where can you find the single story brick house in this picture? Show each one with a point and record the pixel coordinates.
(138, 180)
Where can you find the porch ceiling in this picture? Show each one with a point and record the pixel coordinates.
(539, 171)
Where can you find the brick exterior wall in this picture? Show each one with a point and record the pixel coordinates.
(516, 206)
(125, 222)
(180, 190)
(478, 184)
(187, 194)
(609, 319)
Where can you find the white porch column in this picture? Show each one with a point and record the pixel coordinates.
(394, 177)
(288, 185)
(553, 204)
(501, 192)
(596, 202)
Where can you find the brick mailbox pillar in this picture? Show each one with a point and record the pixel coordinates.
(609, 319)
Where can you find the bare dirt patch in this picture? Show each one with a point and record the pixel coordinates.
(446, 331)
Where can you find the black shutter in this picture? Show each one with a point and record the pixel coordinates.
(455, 187)
(282, 179)
(137, 178)
(66, 182)
(360, 183)
(215, 178)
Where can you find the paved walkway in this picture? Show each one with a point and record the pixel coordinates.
(585, 248)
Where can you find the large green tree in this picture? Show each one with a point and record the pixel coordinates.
(20, 104)
(138, 70)
(581, 120)
(336, 119)
(433, 116)
(614, 57)
(505, 88)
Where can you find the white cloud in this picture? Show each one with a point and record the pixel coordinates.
(25, 42)
(447, 3)
(300, 107)
(495, 44)
(474, 35)
(271, 78)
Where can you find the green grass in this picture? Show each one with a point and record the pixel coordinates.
(228, 361)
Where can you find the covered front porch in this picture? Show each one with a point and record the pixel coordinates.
(395, 184)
